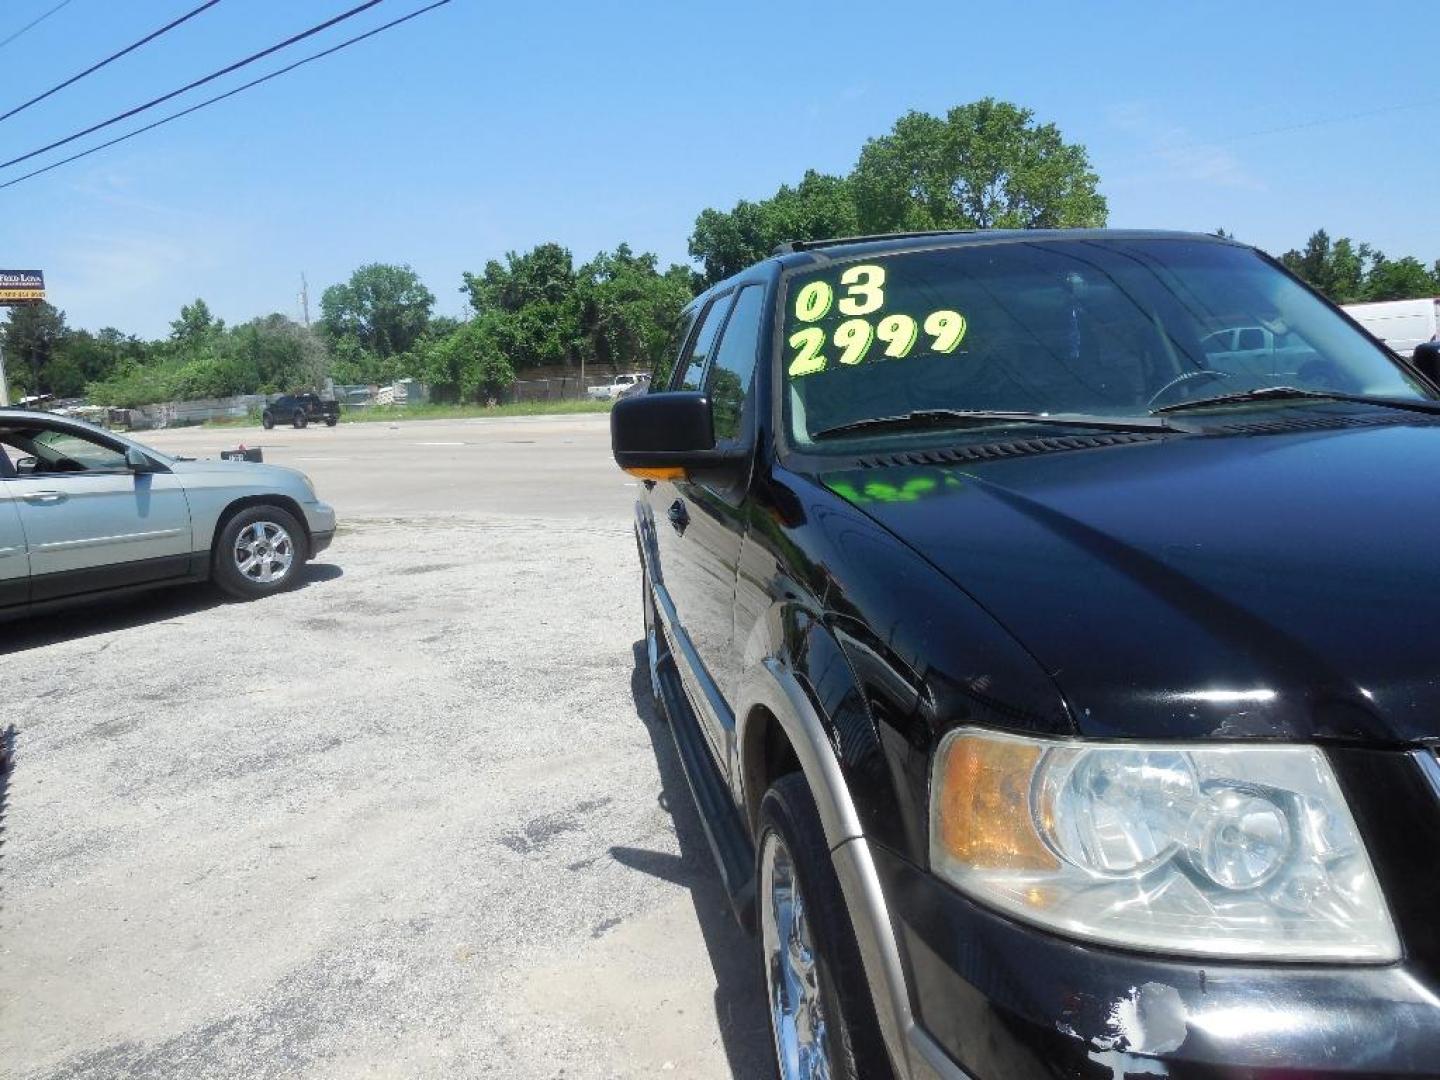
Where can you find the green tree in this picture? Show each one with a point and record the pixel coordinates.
(1348, 272)
(468, 364)
(985, 165)
(32, 333)
(281, 354)
(385, 308)
(196, 327)
(1400, 279)
(819, 207)
(628, 308)
(530, 305)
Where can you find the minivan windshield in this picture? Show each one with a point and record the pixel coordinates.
(1105, 328)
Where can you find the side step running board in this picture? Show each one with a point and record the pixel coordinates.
(729, 840)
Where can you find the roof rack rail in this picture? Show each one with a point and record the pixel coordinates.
(791, 246)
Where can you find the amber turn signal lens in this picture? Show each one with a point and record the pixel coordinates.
(658, 474)
(983, 808)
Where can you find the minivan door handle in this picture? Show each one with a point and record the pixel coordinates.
(45, 496)
(678, 515)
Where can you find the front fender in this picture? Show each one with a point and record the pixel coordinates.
(796, 674)
(833, 756)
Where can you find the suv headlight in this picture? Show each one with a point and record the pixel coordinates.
(1220, 851)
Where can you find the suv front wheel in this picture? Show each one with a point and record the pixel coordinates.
(267, 420)
(821, 1015)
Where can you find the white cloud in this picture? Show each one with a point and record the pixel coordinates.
(1170, 153)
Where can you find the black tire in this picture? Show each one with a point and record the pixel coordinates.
(300, 420)
(331, 421)
(267, 420)
(856, 1050)
(224, 566)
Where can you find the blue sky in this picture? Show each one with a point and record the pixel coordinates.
(483, 127)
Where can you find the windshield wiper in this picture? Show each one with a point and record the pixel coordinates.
(1281, 393)
(952, 418)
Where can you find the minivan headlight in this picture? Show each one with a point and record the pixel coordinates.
(1220, 851)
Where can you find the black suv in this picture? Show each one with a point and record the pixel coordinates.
(1055, 687)
(300, 410)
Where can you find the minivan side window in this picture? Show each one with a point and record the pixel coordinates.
(731, 373)
(689, 379)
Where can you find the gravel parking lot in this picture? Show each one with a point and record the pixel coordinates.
(413, 819)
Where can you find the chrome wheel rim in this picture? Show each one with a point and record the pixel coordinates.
(796, 1014)
(264, 552)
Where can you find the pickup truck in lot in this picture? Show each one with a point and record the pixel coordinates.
(1058, 702)
(618, 387)
(300, 410)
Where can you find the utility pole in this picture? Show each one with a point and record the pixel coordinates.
(304, 300)
(4, 386)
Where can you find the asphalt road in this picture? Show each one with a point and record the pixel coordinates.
(414, 819)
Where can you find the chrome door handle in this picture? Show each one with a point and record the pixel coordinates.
(45, 496)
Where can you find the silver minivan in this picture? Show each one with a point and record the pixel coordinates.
(84, 511)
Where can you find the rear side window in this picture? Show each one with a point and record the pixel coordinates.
(704, 343)
(730, 375)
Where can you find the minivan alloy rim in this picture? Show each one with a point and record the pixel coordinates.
(264, 552)
(796, 1013)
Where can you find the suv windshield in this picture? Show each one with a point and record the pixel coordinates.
(1104, 328)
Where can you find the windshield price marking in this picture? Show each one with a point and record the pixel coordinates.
(854, 337)
(807, 343)
(947, 328)
(813, 301)
(864, 294)
(899, 333)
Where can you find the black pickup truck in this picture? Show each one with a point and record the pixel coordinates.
(300, 410)
(1057, 693)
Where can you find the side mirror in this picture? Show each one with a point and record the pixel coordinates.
(665, 436)
(25, 466)
(138, 462)
(1426, 358)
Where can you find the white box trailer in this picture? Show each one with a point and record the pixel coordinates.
(1401, 324)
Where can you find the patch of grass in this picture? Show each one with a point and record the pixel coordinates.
(466, 412)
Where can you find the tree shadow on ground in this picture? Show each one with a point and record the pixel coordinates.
(734, 954)
(104, 615)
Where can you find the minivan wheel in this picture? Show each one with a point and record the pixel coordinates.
(267, 420)
(260, 551)
(821, 1014)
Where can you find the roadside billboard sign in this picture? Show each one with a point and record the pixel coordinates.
(21, 287)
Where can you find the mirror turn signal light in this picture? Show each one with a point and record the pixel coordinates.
(668, 473)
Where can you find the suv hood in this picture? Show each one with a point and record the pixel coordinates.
(1210, 586)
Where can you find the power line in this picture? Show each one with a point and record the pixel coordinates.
(1285, 129)
(1341, 119)
(109, 59)
(33, 23)
(191, 86)
(228, 93)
